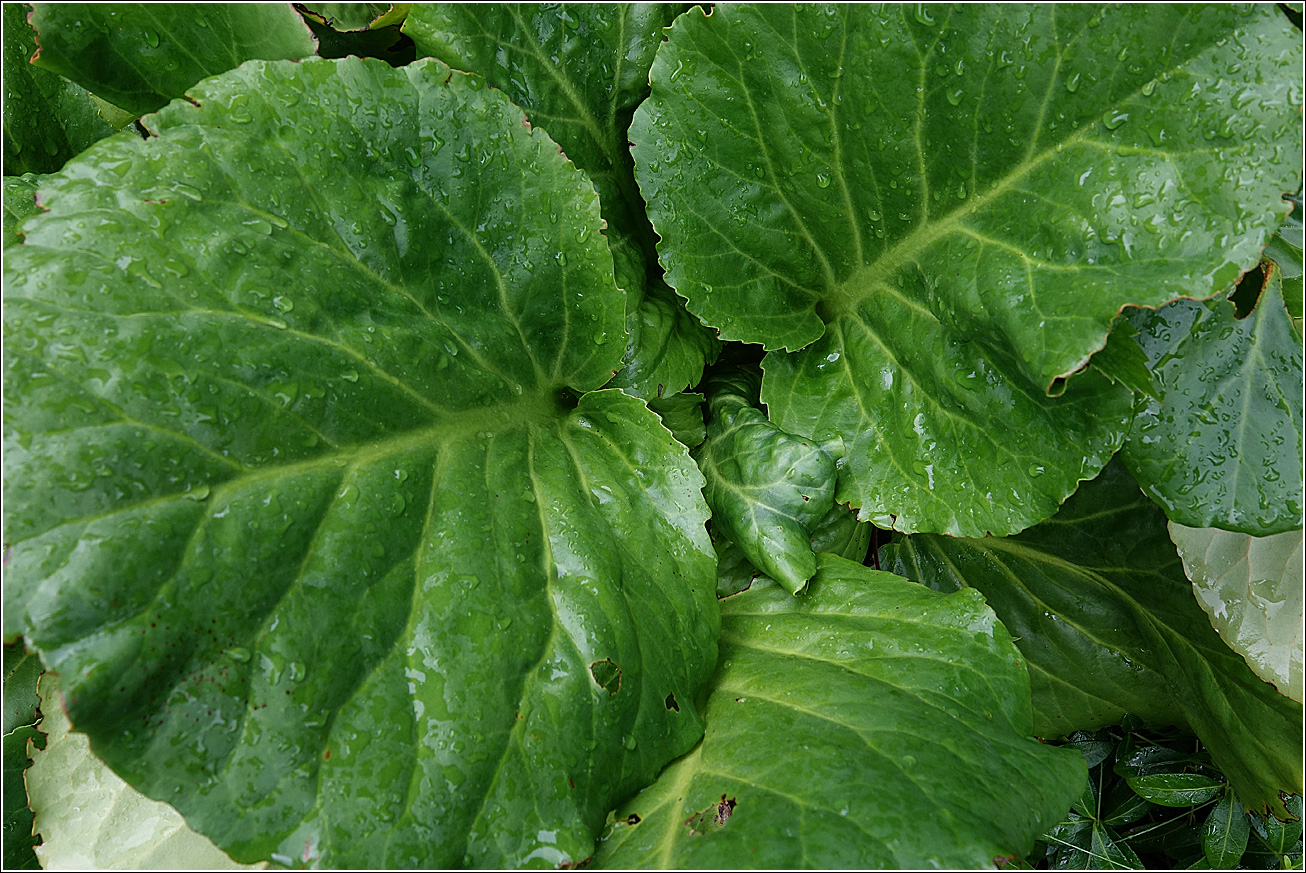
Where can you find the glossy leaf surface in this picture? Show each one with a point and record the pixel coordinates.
(90, 819)
(683, 415)
(579, 71)
(1285, 251)
(767, 489)
(19, 202)
(47, 119)
(1225, 833)
(1251, 588)
(22, 670)
(1175, 789)
(867, 724)
(138, 56)
(1221, 444)
(1098, 603)
(946, 208)
(300, 509)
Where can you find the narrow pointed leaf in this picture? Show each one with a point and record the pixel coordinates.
(1221, 444)
(1251, 588)
(138, 56)
(47, 119)
(300, 507)
(579, 71)
(1109, 853)
(1098, 602)
(1175, 789)
(911, 717)
(1225, 833)
(768, 489)
(945, 208)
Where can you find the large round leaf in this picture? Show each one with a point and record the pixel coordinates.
(579, 71)
(945, 208)
(867, 724)
(299, 506)
(1099, 604)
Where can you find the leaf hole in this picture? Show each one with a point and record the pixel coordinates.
(607, 675)
(671, 703)
(713, 818)
(1248, 291)
(632, 819)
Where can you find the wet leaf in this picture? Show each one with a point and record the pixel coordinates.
(579, 71)
(138, 56)
(1175, 789)
(303, 508)
(1222, 444)
(683, 415)
(1225, 833)
(47, 119)
(1251, 588)
(945, 208)
(870, 723)
(1098, 603)
(351, 16)
(22, 670)
(19, 202)
(767, 489)
(1281, 836)
(92, 820)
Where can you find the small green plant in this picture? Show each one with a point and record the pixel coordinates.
(486, 435)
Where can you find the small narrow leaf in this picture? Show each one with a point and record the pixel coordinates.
(1124, 361)
(1175, 789)
(768, 489)
(1225, 833)
(1251, 588)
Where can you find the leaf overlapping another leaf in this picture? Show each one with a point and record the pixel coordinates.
(945, 208)
(1098, 602)
(909, 713)
(300, 509)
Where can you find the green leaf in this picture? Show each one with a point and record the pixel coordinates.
(1175, 789)
(300, 508)
(19, 202)
(1222, 445)
(868, 724)
(767, 489)
(21, 715)
(579, 71)
(683, 416)
(1123, 360)
(92, 820)
(138, 56)
(945, 208)
(47, 119)
(1251, 588)
(1284, 250)
(1281, 836)
(350, 16)
(1225, 833)
(1099, 605)
(1106, 851)
(1122, 806)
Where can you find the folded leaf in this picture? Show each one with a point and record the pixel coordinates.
(302, 506)
(1221, 443)
(47, 119)
(683, 416)
(138, 56)
(767, 489)
(579, 71)
(945, 208)
(1097, 601)
(870, 723)
(1251, 588)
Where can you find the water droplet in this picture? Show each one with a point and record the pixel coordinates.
(629, 742)
(1113, 119)
(1035, 470)
(295, 672)
(283, 304)
(562, 259)
(151, 38)
(822, 180)
(350, 375)
(238, 654)
(1072, 84)
(1149, 88)
(199, 492)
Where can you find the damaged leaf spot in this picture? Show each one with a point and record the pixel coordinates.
(633, 819)
(713, 818)
(606, 675)
(671, 703)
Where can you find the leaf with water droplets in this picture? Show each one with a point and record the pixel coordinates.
(19, 202)
(767, 489)
(1097, 601)
(579, 71)
(1251, 589)
(302, 503)
(872, 722)
(1221, 443)
(933, 224)
(47, 119)
(139, 56)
